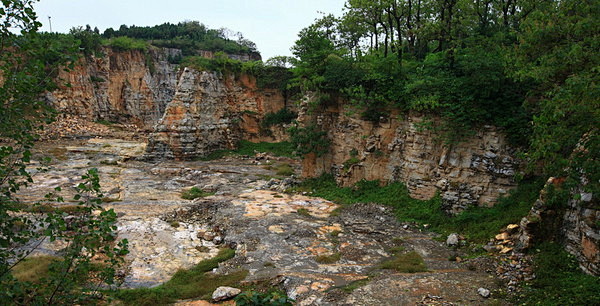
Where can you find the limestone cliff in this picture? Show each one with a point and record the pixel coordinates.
(122, 86)
(211, 111)
(475, 171)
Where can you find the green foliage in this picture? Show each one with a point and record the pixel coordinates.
(477, 223)
(90, 42)
(558, 52)
(268, 76)
(350, 162)
(559, 281)
(328, 259)
(124, 43)
(284, 169)
(189, 36)
(196, 282)
(309, 139)
(245, 147)
(27, 73)
(303, 212)
(33, 268)
(283, 116)
(410, 262)
(271, 298)
(194, 193)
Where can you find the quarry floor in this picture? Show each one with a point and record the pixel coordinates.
(277, 236)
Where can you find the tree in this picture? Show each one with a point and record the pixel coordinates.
(29, 63)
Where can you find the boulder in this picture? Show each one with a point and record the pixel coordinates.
(225, 293)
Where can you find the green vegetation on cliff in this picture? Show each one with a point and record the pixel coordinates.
(478, 224)
(530, 67)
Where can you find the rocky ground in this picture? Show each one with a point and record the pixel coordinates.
(305, 245)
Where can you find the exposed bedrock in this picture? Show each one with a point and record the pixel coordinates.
(475, 171)
(121, 86)
(209, 112)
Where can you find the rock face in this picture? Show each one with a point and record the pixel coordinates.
(576, 226)
(209, 112)
(398, 148)
(124, 86)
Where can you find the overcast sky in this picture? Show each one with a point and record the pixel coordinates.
(272, 24)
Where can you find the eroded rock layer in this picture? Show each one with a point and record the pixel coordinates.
(474, 171)
(210, 112)
(122, 86)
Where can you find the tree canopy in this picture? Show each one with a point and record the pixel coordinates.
(528, 66)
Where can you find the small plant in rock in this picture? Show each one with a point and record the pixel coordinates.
(328, 259)
(194, 193)
(273, 298)
(303, 212)
(410, 262)
(350, 162)
(284, 169)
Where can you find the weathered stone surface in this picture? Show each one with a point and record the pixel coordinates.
(576, 226)
(452, 240)
(397, 148)
(225, 293)
(484, 292)
(211, 112)
(121, 86)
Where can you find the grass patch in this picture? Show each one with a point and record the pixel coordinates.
(355, 285)
(194, 193)
(303, 212)
(33, 268)
(59, 153)
(410, 262)
(284, 148)
(478, 224)
(283, 116)
(559, 281)
(284, 169)
(105, 122)
(328, 259)
(350, 162)
(185, 284)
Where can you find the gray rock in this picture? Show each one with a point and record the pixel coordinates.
(482, 291)
(452, 239)
(225, 293)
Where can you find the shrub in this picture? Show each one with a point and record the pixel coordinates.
(195, 193)
(272, 298)
(328, 259)
(283, 116)
(309, 140)
(124, 43)
(410, 262)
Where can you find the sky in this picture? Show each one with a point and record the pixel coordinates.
(272, 24)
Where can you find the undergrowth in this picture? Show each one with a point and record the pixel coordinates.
(478, 224)
(185, 284)
(559, 281)
(410, 262)
(194, 193)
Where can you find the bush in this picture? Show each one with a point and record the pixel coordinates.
(195, 193)
(559, 281)
(283, 116)
(272, 298)
(309, 140)
(124, 43)
(410, 262)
